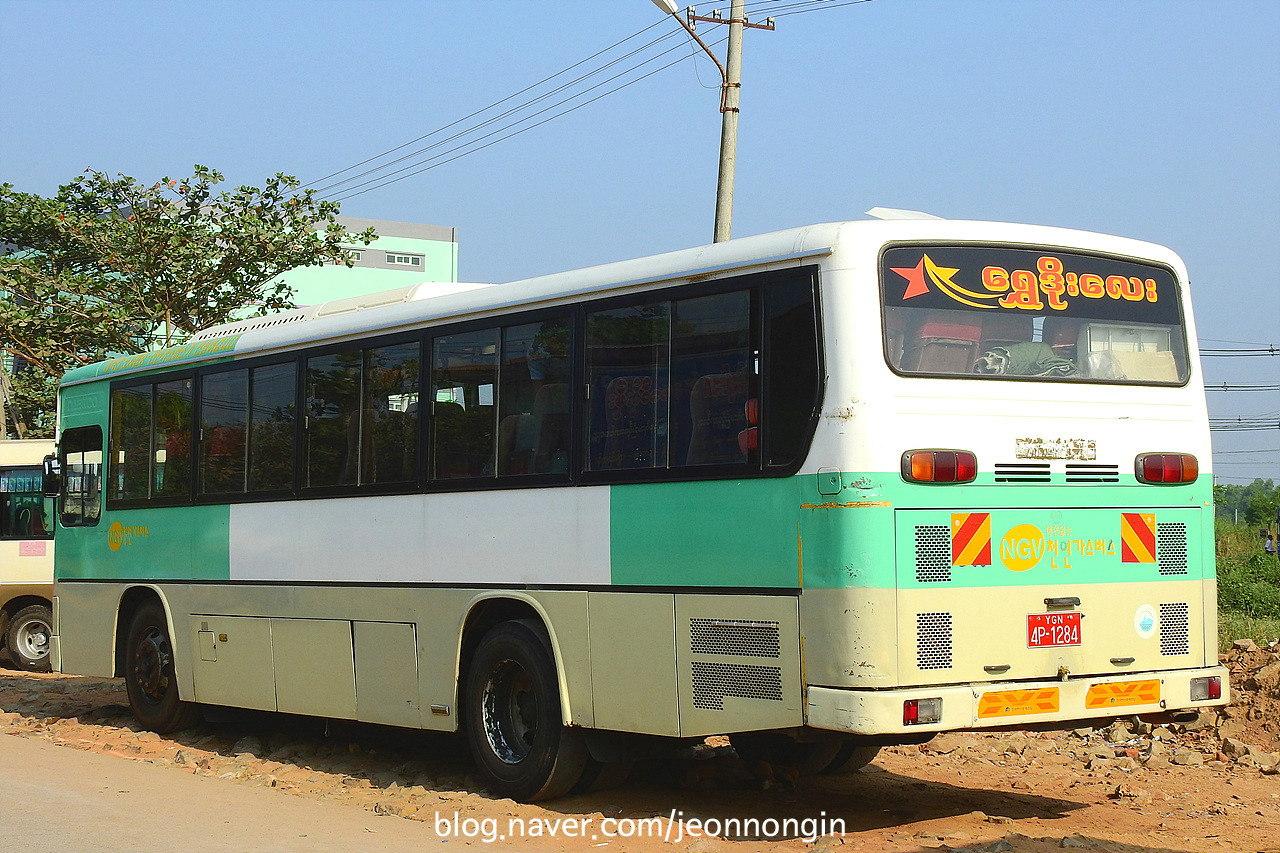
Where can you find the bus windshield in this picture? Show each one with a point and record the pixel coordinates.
(1031, 313)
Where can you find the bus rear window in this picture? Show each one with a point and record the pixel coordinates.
(1014, 313)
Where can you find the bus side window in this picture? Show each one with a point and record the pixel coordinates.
(792, 377)
(464, 374)
(711, 378)
(130, 457)
(224, 413)
(81, 476)
(628, 369)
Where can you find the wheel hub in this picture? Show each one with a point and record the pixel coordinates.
(150, 663)
(510, 712)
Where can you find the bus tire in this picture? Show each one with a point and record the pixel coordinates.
(777, 749)
(852, 758)
(512, 716)
(149, 673)
(28, 638)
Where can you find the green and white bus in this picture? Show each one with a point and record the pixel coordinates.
(821, 490)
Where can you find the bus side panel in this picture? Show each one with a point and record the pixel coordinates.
(91, 608)
(388, 655)
(738, 658)
(633, 662)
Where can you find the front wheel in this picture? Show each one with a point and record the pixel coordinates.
(512, 716)
(149, 674)
(28, 638)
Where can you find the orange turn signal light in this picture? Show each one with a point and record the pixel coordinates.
(939, 466)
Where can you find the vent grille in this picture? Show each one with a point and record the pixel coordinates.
(1175, 624)
(1022, 472)
(1077, 473)
(734, 637)
(933, 640)
(252, 325)
(1171, 548)
(712, 682)
(933, 553)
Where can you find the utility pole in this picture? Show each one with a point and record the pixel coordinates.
(730, 94)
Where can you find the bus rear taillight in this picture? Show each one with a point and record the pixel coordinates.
(918, 711)
(939, 466)
(1206, 688)
(1166, 468)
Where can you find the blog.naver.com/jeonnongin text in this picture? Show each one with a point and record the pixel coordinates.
(674, 828)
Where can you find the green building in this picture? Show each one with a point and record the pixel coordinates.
(405, 253)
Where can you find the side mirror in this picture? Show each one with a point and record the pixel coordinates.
(52, 485)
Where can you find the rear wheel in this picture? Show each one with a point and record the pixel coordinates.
(28, 638)
(512, 716)
(852, 758)
(149, 674)
(780, 750)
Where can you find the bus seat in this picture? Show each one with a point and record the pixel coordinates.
(1001, 330)
(716, 404)
(943, 347)
(1062, 334)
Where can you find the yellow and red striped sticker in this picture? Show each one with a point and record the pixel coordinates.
(1137, 537)
(970, 538)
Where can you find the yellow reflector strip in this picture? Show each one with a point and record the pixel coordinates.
(1018, 703)
(1122, 693)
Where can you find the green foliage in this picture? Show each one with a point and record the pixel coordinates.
(1248, 583)
(110, 265)
(1255, 503)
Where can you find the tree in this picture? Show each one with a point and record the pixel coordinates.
(113, 266)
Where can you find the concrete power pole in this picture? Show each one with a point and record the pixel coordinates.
(730, 92)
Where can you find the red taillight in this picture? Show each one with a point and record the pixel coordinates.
(939, 466)
(1166, 468)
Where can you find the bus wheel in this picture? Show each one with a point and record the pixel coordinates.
(149, 676)
(778, 749)
(512, 716)
(852, 758)
(28, 638)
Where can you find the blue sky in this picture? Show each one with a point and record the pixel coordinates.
(1154, 120)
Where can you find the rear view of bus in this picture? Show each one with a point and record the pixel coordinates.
(1017, 513)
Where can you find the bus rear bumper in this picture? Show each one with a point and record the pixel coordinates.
(1030, 704)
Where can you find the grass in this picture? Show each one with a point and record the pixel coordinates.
(1248, 586)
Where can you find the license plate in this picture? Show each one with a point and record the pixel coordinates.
(1053, 629)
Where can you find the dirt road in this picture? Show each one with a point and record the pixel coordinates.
(1212, 787)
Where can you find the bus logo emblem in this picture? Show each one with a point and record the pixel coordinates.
(118, 535)
(1022, 547)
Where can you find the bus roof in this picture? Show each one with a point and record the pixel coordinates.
(429, 303)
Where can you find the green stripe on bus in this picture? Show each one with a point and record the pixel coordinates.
(175, 543)
(722, 533)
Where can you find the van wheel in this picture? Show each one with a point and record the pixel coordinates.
(28, 638)
(149, 674)
(512, 716)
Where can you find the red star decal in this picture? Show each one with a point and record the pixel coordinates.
(915, 279)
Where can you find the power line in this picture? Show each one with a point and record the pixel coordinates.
(344, 189)
(1227, 386)
(471, 147)
(486, 109)
(1269, 350)
(531, 102)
